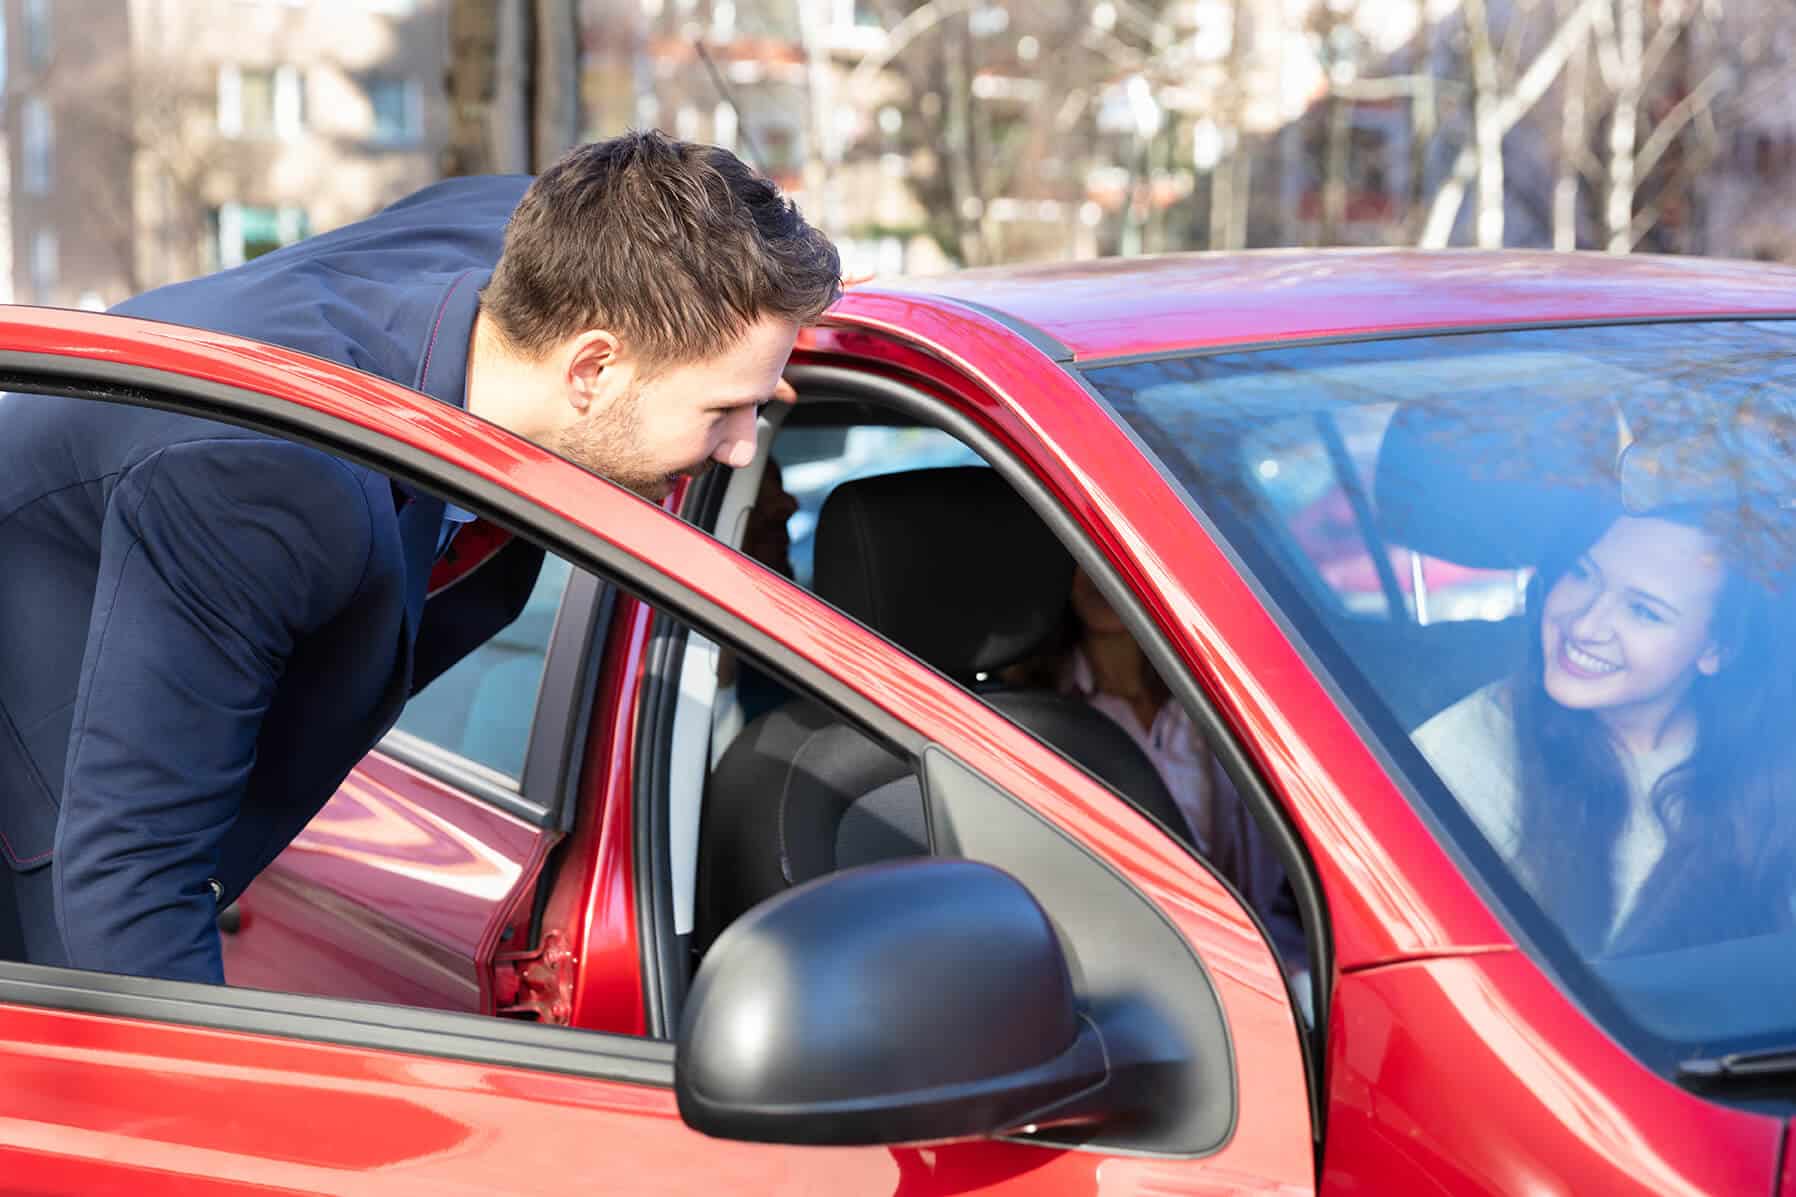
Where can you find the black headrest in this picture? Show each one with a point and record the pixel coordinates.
(949, 563)
(1488, 487)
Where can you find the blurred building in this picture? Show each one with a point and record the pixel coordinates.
(775, 83)
(1746, 210)
(151, 140)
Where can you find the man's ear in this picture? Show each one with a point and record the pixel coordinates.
(588, 356)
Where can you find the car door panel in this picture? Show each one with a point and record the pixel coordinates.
(389, 894)
(184, 1109)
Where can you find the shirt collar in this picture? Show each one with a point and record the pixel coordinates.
(443, 363)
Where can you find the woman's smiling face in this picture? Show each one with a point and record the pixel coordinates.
(1627, 628)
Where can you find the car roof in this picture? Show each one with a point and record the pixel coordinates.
(1111, 307)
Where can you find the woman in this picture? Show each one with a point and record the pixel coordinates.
(1637, 773)
(1100, 661)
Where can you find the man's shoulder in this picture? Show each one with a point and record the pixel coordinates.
(361, 294)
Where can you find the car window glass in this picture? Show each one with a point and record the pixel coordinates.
(1297, 465)
(1589, 680)
(481, 708)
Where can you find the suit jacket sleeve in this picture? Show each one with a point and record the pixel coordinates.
(217, 557)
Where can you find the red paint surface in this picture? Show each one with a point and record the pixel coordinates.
(599, 908)
(111, 1106)
(1477, 1076)
(388, 894)
(1113, 306)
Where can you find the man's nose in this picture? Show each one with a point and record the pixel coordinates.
(737, 446)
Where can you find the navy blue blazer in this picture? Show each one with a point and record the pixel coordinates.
(203, 628)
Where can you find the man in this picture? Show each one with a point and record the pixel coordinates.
(202, 628)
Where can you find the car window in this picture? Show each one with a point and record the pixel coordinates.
(971, 580)
(1591, 680)
(1316, 473)
(482, 707)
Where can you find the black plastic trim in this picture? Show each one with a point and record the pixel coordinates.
(1412, 334)
(477, 1038)
(564, 699)
(468, 776)
(665, 969)
(1162, 992)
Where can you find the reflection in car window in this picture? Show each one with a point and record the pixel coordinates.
(1552, 571)
(1316, 473)
(482, 708)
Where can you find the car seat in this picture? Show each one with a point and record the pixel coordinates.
(953, 566)
(1480, 487)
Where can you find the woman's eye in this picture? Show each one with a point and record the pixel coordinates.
(1646, 613)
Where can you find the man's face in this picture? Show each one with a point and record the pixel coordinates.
(654, 429)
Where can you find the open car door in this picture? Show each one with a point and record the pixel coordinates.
(1181, 1071)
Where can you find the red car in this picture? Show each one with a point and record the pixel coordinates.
(692, 883)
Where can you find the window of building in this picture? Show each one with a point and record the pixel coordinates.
(246, 231)
(44, 265)
(397, 107)
(39, 136)
(260, 101)
(37, 32)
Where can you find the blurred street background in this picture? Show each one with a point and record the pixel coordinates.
(146, 141)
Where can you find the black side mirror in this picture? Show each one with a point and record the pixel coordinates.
(915, 1000)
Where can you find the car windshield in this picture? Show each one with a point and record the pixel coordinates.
(1551, 571)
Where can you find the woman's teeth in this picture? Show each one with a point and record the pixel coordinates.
(1586, 662)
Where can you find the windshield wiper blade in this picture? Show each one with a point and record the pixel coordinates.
(1742, 1069)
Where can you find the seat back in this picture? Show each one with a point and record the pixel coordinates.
(953, 566)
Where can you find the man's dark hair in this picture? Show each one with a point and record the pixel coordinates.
(675, 247)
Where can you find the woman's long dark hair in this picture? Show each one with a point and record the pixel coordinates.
(1729, 810)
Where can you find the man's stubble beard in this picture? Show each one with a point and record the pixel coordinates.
(609, 443)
